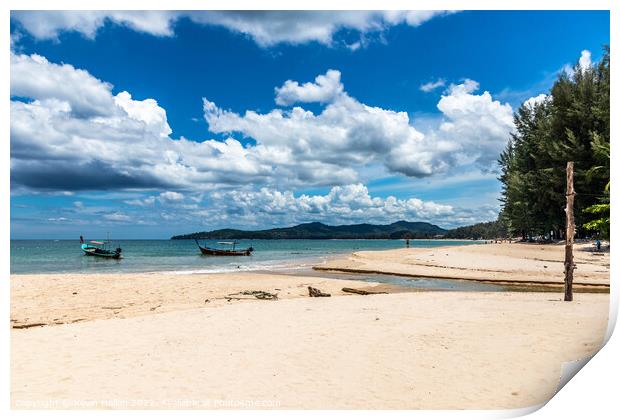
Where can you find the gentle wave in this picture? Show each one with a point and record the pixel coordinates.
(257, 267)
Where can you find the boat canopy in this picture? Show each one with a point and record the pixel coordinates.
(228, 243)
(98, 242)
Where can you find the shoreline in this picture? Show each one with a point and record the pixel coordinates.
(283, 263)
(59, 298)
(183, 271)
(507, 264)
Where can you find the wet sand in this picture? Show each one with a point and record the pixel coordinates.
(505, 263)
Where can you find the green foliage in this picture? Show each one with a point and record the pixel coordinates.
(597, 208)
(572, 124)
(602, 224)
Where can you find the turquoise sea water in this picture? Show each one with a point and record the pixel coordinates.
(47, 256)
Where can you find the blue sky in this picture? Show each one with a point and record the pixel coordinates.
(149, 125)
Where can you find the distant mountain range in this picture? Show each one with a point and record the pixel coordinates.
(316, 230)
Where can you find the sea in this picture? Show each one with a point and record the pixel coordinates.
(184, 257)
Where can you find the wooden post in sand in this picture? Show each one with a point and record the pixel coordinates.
(569, 265)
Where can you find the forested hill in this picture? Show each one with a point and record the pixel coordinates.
(398, 230)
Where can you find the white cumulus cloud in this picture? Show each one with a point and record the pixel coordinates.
(326, 88)
(536, 100)
(48, 24)
(585, 60)
(474, 128)
(33, 76)
(146, 111)
(74, 134)
(584, 63)
(266, 28)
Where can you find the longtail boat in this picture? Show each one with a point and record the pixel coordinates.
(99, 249)
(225, 252)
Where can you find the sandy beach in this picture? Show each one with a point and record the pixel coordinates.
(51, 299)
(159, 340)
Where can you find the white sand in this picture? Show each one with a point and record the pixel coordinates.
(68, 298)
(432, 350)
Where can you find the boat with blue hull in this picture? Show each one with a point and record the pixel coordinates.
(100, 249)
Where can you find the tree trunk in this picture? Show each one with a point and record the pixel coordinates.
(569, 265)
